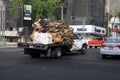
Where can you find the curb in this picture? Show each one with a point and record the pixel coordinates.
(8, 46)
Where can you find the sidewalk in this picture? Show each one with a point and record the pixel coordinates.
(9, 45)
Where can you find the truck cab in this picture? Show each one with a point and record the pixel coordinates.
(79, 43)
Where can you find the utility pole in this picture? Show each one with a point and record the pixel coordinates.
(61, 12)
(108, 9)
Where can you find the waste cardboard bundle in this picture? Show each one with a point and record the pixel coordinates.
(58, 30)
(42, 38)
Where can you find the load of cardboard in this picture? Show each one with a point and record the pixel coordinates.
(59, 30)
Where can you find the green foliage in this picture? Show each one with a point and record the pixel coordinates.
(44, 8)
(15, 8)
(41, 8)
(15, 1)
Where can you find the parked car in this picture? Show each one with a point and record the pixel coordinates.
(111, 47)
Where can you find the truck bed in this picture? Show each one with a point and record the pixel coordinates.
(49, 50)
(40, 46)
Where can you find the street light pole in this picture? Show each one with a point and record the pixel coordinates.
(108, 9)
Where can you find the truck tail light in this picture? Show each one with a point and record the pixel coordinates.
(103, 46)
(118, 46)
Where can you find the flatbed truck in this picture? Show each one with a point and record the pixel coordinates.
(56, 50)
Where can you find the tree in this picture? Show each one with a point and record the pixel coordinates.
(44, 8)
(14, 12)
(15, 4)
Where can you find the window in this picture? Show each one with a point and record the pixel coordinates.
(114, 40)
(75, 36)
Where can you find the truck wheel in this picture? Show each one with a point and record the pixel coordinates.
(84, 50)
(48, 53)
(34, 54)
(57, 53)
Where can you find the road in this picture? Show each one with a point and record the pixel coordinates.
(14, 65)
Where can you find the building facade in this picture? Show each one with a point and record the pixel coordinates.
(2, 23)
(9, 22)
(90, 10)
(113, 8)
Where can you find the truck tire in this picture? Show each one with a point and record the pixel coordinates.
(49, 53)
(34, 54)
(84, 50)
(57, 53)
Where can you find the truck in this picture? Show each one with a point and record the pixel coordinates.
(55, 50)
(54, 40)
(96, 42)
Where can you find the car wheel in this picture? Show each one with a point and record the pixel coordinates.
(90, 46)
(95, 46)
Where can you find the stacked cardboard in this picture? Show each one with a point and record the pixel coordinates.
(60, 31)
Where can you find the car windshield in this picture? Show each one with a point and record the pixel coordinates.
(113, 40)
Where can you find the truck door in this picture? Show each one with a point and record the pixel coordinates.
(77, 43)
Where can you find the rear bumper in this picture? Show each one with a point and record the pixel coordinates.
(33, 46)
(109, 52)
(93, 45)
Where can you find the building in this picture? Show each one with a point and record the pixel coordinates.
(89, 32)
(92, 10)
(9, 23)
(112, 5)
(113, 8)
(2, 23)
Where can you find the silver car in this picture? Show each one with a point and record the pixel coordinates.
(110, 47)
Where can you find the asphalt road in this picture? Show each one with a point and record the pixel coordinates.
(14, 65)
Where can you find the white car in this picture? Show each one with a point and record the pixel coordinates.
(111, 47)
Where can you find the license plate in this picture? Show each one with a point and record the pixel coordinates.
(110, 48)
